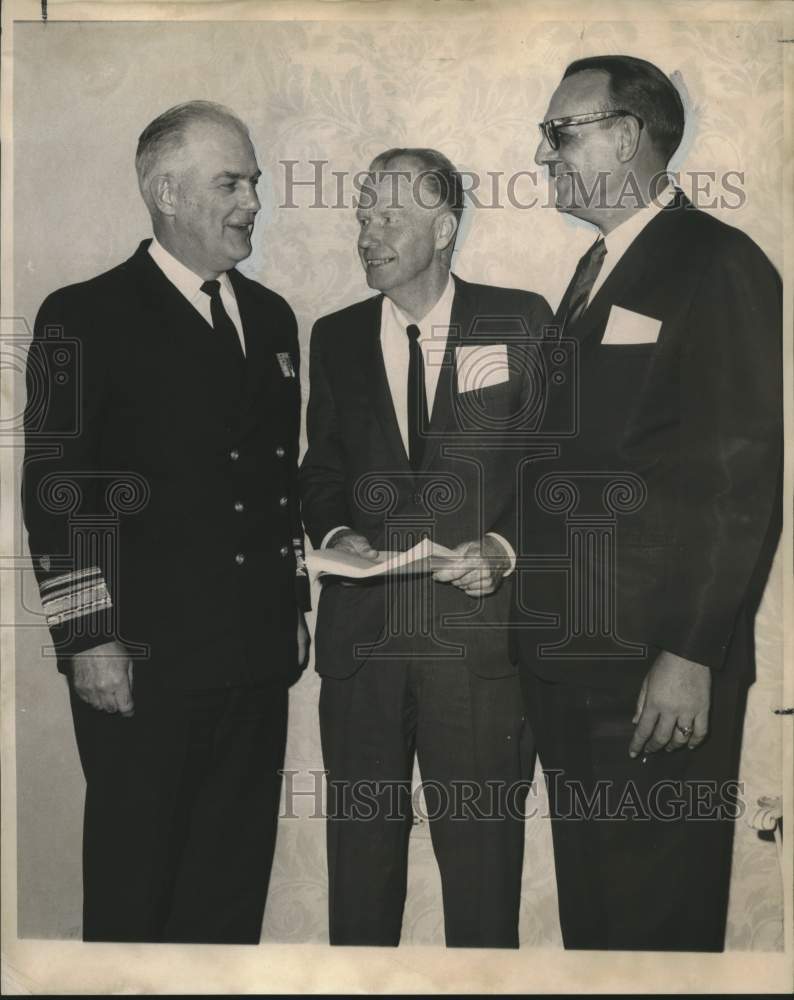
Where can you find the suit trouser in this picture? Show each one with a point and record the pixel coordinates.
(465, 730)
(642, 850)
(180, 812)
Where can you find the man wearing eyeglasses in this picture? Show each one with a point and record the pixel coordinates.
(636, 697)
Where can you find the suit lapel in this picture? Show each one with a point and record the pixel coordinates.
(460, 322)
(258, 342)
(249, 314)
(374, 370)
(174, 319)
(562, 309)
(461, 319)
(635, 268)
(173, 311)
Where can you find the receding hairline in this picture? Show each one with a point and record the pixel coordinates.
(643, 89)
(383, 162)
(178, 137)
(400, 164)
(411, 163)
(163, 140)
(168, 133)
(606, 99)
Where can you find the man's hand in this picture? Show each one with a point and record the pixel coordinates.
(672, 707)
(102, 677)
(477, 569)
(303, 641)
(347, 540)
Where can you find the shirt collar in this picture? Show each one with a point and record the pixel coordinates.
(439, 315)
(186, 281)
(618, 241)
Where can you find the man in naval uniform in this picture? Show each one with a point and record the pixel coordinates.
(181, 630)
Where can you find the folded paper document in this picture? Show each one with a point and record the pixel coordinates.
(422, 558)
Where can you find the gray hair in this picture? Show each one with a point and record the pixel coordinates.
(166, 134)
(638, 86)
(436, 170)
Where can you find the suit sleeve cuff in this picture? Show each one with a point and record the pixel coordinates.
(78, 610)
(508, 550)
(329, 535)
(302, 587)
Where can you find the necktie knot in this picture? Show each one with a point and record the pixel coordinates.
(413, 332)
(211, 288)
(598, 250)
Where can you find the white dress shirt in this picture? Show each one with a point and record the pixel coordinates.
(394, 343)
(189, 284)
(622, 236)
(433, 335)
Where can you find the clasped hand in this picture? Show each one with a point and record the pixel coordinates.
(476, 567)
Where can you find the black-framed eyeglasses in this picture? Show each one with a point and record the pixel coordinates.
(550, 127)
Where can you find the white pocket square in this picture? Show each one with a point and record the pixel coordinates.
(627, 327)
(481, 365)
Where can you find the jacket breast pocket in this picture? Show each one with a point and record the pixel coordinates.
(486, 410)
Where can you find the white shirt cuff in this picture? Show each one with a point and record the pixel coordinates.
(331, 533)
(506, 546)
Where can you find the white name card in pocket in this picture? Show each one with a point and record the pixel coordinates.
(481, 365)
(627, 327)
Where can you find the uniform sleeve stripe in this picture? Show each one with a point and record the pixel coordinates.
(300, 562)
(75, 598)
(68, 580)
(65, 616)
(74, 595)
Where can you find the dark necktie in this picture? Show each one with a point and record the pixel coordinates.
(417, 399)
(583, 281)
(221, 323)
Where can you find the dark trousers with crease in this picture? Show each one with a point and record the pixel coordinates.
(180, 812)
(642, 850)
(466, 731)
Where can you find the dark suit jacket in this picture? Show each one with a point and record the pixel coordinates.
(201, 565)
(356, 473)
(696, 420)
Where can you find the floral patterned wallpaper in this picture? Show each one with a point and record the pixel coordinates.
(339, 93)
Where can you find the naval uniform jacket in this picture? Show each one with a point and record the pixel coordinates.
(159, 486)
